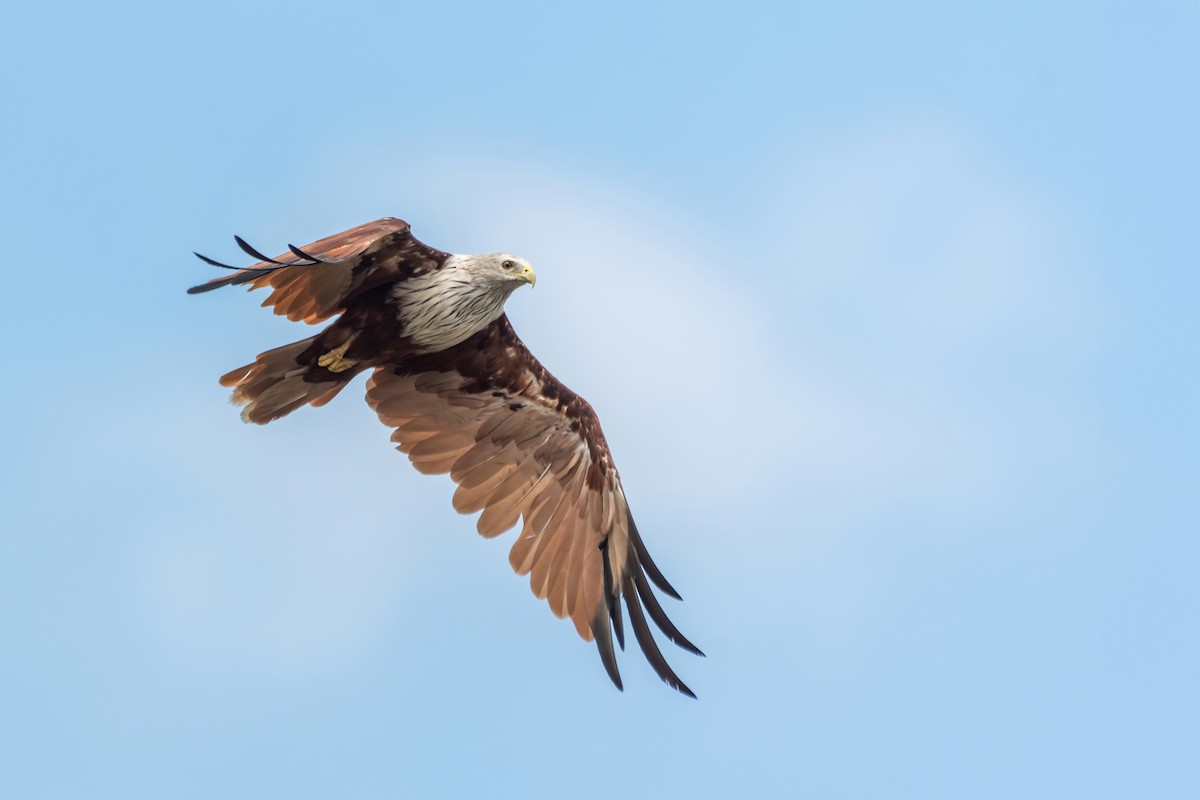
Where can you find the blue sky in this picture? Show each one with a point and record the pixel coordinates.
(890, 314)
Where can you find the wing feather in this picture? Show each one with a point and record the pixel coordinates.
(340, 267)
(510, 501)
(551, 541)
(481, 454)
(474, 496)
(523, 448)
(646, 641)
(556, 587)
(574, 571)
(590, 590)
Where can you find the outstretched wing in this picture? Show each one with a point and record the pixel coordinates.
(520, 445)
(313, 283)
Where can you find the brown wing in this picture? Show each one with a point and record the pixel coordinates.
(519, 444)
(313, 283)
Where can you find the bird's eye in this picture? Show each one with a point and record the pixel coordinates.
(506, 264)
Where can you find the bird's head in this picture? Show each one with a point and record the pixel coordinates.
(510, 268)
(496, 273)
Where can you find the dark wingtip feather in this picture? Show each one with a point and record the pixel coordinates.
(659, 616)
(646, 640)
(648, 563)
(297, 251)
(210, 261)
(619, 624)
(250, 251)
(603, 636)
(610, 597)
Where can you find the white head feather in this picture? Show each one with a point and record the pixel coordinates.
(442, 308)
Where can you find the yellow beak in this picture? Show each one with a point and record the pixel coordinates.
(528, 274)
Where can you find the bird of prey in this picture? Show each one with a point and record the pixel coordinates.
(466, 397)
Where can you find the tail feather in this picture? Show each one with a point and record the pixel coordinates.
(281, 380)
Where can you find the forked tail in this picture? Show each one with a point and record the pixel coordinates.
(279, 381)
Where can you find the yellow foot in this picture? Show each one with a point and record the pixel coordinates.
(333, 360)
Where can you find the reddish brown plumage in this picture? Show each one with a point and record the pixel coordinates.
(519, 443)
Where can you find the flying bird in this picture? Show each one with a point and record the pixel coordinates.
(465, 397)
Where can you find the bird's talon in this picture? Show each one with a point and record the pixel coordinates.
(333, 360)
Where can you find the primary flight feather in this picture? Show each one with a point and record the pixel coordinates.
(466, 397)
